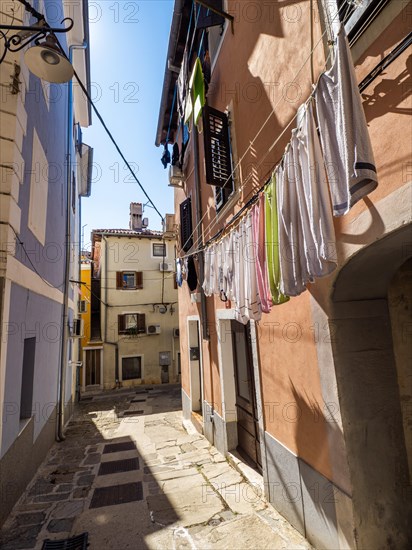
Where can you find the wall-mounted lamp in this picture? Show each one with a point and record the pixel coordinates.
(45, 59)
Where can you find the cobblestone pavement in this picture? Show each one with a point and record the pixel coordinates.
(131, 476)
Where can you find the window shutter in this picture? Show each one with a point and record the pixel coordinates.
(217, 148)
(119, 279)
(141, 323)
(186, 224)
(121, 324)
(139, 279)
(208, 18)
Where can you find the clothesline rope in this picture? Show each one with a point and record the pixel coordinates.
(214, 222)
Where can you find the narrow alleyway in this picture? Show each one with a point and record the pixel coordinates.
(130, 476)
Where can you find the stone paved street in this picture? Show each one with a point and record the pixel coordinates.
(130, 475)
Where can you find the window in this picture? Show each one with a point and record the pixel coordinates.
(218, 155)
(26, 395)
(358, 14)
(186, 237)
(159, 249)
(131, 323)
(129, 280)
(131, 367)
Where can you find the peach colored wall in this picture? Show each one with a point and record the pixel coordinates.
(268, 53)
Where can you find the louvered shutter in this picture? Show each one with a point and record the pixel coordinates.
(141, 323)
(206, 17)
(217, 148)
(119, 279)
(186, 224)
(121, 324)
(139, 279)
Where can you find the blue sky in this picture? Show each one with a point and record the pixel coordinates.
(128, 53)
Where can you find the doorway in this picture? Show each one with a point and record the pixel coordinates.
(246, 401)
(93, 367)
(195, 366)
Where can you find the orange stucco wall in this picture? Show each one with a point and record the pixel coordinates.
(269, 51)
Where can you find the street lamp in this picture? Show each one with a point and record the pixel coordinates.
(45, 59)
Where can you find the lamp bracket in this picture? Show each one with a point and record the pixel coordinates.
(23, 35)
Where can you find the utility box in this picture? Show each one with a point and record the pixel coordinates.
(164, 358)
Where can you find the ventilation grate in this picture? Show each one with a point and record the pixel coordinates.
(116, 466)
(117, 494)
(78, 542)
(118, 447)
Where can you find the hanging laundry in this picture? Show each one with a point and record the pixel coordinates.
(179, 275)
(175, 154)
(207, 70)
(191, 274)
(259, 235)
(165, 160)
(209, 282)
(246, 296)
(182, 86)
(196, 96)
(344, 133)
(271, 265)
(314, 200)
(294, 272)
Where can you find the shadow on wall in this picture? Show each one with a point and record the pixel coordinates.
(297, 490)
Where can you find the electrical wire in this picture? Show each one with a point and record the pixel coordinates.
(99, 116)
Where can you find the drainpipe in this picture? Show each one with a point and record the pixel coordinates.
(106, 341)
(198, 201)
(65, 313)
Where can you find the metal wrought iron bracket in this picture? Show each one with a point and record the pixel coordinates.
(23, 35)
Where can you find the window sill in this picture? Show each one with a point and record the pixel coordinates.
(232, 200)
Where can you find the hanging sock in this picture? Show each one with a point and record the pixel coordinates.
(165, 160)
(179, 274)
(175, 154)
(191, 274)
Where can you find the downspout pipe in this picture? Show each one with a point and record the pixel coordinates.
(204, 320)
(106, 297)
(65, 312)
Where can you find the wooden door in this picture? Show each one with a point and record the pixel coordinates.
(93, 358)
(246, 406)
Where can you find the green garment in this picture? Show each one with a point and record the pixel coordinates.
(196, 97)
(272, 243)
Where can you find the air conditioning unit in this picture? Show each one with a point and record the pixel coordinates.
(153, 329)
(77, 328)
(176, 176)
(166, 266)
(82, 306)
(176, 333)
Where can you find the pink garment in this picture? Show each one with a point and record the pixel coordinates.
(259, 235)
